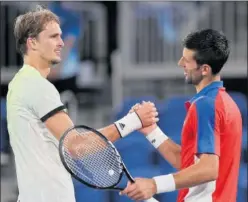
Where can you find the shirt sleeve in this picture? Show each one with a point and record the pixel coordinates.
(45, 100)
(207, 127)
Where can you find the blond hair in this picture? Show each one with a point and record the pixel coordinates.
(31, 24)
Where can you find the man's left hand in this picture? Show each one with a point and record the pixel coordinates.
(142, 189)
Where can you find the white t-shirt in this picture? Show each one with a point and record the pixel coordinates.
(41, 177)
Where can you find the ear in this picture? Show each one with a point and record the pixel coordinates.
(32, 43)
(206, 69)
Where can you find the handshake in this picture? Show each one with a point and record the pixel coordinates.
(142, 117)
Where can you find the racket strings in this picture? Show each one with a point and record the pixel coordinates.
(91, 158)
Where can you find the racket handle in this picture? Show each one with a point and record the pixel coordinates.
(151, 200)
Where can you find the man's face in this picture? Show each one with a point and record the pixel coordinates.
(192, 72)
(49, 43)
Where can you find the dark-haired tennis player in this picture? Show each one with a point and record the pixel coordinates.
(209, 155)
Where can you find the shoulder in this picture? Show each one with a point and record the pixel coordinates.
(206, 107)
(42, 85)
(28, 79)
(204, 103)
(31, 88)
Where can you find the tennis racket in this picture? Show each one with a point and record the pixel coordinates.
(92, 159)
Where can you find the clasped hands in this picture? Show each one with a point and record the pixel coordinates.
(143, 188)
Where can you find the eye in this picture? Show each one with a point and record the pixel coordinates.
(187, 61)
(54, 36)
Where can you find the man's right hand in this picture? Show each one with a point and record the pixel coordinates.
(147, 113)
(138, 109)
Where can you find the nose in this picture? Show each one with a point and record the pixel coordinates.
(61, 43)
(180, 63)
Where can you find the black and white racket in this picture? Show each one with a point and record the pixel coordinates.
(92, 159)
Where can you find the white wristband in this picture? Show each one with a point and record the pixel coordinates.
(165, 183)
(157, 137)
(128, 124)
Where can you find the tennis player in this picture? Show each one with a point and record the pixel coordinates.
(37, 118)
(209, 155)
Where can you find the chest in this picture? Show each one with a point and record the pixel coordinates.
(188, 143)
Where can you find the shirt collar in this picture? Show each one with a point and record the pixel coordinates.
(213, 85)
(31, 69)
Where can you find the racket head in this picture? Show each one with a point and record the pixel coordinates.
(111, 157)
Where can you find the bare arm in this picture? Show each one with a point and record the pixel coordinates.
(146, 115)
(205, 170)
(168, 149)
(60, 122)
(111, 133)
(171, 152)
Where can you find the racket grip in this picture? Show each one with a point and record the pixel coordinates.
(151, 200)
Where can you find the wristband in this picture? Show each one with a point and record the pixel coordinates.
(165, 183)
(128, 124)
(157, 137)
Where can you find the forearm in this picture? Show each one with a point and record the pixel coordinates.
(110, 132)
(171, 152)
(122, 127)
(166, 147)
(204, 171)
(193, 175)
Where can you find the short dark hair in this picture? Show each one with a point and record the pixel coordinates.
(31, 24)
(211, 47)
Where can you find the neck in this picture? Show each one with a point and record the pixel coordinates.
(205, 82)
(42, 66)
